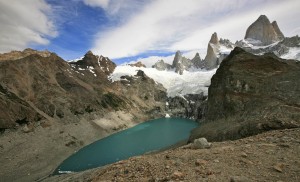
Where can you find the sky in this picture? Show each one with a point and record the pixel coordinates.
(129, 30)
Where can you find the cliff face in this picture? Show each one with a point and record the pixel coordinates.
(250, 94)
(264, 31)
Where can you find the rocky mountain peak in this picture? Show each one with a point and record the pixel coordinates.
(277, 30)
(262, 30)
(196, 61)
(101, 65)
(161, 65)
(89, 53)
(180, 63)
(214, 39)
(211, 58)
(14, 55)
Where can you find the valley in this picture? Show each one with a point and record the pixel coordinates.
(245, 95)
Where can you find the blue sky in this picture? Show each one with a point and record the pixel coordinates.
(128, 30)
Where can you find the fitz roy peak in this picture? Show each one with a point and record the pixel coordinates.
(264, 31)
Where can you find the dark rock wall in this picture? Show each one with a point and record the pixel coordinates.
(191, 106)
(250, 94)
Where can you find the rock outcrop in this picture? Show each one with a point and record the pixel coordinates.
(191, 106)
(181, 63)
(263, 31)
(197, 61)
(13, 55)
(161, 65)
(138, 64)
(211, 59)
(214, 56)
(251, 94)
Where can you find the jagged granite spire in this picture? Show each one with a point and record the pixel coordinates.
(263, 31)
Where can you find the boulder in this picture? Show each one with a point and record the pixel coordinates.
(201, 143)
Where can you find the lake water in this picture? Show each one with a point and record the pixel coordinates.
(146, 137)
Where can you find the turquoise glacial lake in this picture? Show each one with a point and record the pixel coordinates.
(146, 137)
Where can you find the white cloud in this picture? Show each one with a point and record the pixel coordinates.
(24, 24)
(97, 3)
(187, 25)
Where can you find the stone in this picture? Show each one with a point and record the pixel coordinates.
(177, 175)
(200, 162)
(201, 143)
(278, 167)
(216, 161)
(25, 129)
(243, 154)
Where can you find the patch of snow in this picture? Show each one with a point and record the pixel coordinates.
(294, 53)
(167, 116)
(190, 82)
(256, 44)
(167, 103)
(225, 50)
(75, 60)
(92, 70)
(81, 69)
(99, 61)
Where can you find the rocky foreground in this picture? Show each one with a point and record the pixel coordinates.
(271, 156)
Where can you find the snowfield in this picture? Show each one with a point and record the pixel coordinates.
(294, 53)
(190, 82)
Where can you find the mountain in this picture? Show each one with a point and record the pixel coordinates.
(51, 108)
(263, 32)
(197, 62)
(161, 65)
(251, 94)
(181, 63)
(216, 51)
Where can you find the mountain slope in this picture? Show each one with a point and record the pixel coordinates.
(51, 108)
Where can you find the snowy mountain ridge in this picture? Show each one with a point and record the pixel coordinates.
(190, 82)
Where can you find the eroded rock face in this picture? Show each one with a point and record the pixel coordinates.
(262, 30)
(250, 94)
(214, 56)
(211, 59)
(191, 106)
